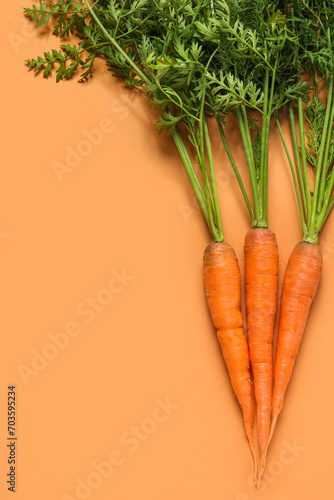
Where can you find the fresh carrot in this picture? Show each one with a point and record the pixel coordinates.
(261, 278)
(223, 291)
(255, 83)
(314, 195)
(300, 285)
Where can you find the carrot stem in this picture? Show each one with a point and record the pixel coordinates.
(301, 212)
(208, 196)
(325, 191)
(213, 177)
(303, 153)
(264, 145)
(312, 218)
(302, 185)
(329, 208)
(250, 161)
(265, 166)
(191, 173)
(235, 170)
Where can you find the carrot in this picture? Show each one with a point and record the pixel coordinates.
(261, 278)
(300, 285)
(268, 79)
(312, 150)
(223, 290)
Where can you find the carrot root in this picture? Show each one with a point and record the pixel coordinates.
(300, 285)
(261, 277)
(223, 289)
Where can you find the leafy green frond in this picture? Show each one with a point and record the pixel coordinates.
(67, 15)
(64, 62)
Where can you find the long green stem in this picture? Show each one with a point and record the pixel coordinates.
(300, 206)
(209, 203)
(202, 165)
(312, 219)
(212, 176)
(264, 142)
(265, 145)
(303, 153)
(191, 173)
(250, 162)
(236, 171)
(302, 185)
(326, 202)
(328, 210)
(325, 161)
(201, 156)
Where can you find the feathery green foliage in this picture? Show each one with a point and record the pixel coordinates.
(154, 46)
(313, 23)
(254, 69)
(194, 58)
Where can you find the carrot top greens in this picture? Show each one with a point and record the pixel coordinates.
(216, 57)
(254, 69)
(154, 46)
(313, 23)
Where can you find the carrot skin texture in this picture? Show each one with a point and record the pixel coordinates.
(261, 278)
(300, 285)
(223, 290)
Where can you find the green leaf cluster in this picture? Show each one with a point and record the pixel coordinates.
(214, 57)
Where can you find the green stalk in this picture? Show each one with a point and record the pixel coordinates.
(232, 161)
(326, 202)
(213, 177)
(264, 147)
(202, 166)
(328, 210)
(312, 218)
(265, 165)
(301, 212)
(250, 162)
(208, 197)
(302, 185)
(209, 204)
(236, 171)
(303, 153)
(200, 126)
(207, 188)
(191, 173)
(325, 161)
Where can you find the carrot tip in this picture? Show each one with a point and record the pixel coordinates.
(272, 428)
(262, 466)
(264, 454)
(255, 461)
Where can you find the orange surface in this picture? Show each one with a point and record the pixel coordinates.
(123, 235)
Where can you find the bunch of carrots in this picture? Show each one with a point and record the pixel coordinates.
(206, 59)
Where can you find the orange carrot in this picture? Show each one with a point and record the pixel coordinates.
(261, 277)
(223, 290)
(300, 285)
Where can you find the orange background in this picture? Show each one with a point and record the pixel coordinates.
(128, 206)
